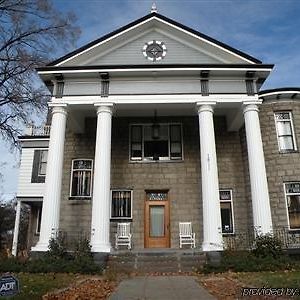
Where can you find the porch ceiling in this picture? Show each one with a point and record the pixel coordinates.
(232, 112)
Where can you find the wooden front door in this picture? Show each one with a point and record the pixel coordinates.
(157, 219)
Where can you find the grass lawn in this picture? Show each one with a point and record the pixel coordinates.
(34, 286)
(270, 279)
(229, 285)
(287, 283)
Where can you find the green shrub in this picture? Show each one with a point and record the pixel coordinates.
(244, 261)
(56, 260)
(57, 248)
(11, 264)
(267, 245)
(83, 249)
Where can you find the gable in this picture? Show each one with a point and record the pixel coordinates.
(132, 53)
(184, 46)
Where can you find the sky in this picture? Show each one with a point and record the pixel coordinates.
(268, 30)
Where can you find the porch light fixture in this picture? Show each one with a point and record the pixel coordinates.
(155, 127)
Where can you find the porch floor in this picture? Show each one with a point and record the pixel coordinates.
(156, 251)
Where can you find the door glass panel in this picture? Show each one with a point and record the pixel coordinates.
(157, 222)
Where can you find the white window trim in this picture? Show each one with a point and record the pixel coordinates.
(110, 207)
(232, 210)
(286, 206)
(39, 166)
(293, 131)
(145, 160)
(92, 177)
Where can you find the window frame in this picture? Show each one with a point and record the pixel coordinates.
(71, 179)
(286, 204)
(35, 176)
(42, 162)
(111, 201)
(232, 210)
(292, 128)
(38, 221)
(145, 160)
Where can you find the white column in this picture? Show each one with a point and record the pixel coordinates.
(212, 230)
(52, 194)
(262, 219)
(101, 187)
(16, 229)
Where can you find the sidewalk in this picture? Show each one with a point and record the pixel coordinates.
(161, 288)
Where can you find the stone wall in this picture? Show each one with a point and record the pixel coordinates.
(182, 178)
(281, 167)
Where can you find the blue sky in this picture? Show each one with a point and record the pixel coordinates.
(266, 29)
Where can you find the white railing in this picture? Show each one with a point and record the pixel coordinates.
(38, 130)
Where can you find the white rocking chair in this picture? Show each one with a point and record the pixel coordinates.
(123, 235)
(186, 235)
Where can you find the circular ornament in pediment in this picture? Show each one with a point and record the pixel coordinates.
(155, 50)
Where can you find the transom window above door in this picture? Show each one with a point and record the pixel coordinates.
(155, 142)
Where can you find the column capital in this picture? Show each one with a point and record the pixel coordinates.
(58, 108)
(252, 106)
(104, 107)
(205, 106)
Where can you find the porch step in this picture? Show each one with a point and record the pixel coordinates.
(161, 261)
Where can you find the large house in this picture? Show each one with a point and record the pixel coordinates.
(156, 124)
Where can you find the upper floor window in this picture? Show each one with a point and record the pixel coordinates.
(81, 178)
(43, 163)
(153, 142)
(292, 195)
(121, 204)
(285, 131)
(39, 166)
(226, 211)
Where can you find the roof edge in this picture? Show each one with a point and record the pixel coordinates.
(279, 90)
(162, 66)
(166, 19)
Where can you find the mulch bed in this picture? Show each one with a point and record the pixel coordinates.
(224, 287)
(90, 289)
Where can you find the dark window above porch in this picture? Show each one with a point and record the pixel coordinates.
(155, 142)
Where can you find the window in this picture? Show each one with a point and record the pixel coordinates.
(292, 195)
(38, 220)
(39, 166)
(153, 142)
(121, 204)
(81, 179)
(285, 131)
(43, 163)
(226, 211)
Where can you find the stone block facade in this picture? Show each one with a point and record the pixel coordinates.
(182, 179)
(280, 167)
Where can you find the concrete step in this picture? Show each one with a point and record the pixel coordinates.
(156, 261)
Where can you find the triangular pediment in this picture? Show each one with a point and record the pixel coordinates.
(182, 45)
(177, 52)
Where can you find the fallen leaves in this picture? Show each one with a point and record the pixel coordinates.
(90, 289)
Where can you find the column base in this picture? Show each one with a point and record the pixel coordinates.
(214, 258)
(40, 247)
(101, 248)
(210, 246)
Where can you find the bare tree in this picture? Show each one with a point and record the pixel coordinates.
(7, 223)
(7, 219)
(30, 33)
